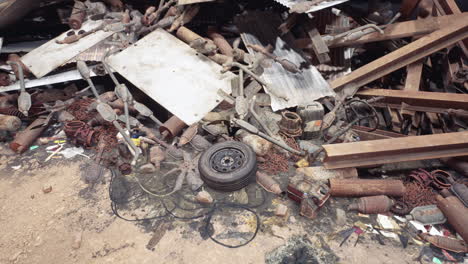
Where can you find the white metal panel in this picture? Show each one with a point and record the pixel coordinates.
(173, 74)
(51, 55)
(189, 2)
(314, 8)
(47, 80)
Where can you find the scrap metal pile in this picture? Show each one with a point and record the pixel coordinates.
(238, 91)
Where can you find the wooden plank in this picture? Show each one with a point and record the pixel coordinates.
(319, 46)
(418, 98)
(401, 57)
(413, 76)
(449, 7)
(393, 150)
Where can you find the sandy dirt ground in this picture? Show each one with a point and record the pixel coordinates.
(72, 224)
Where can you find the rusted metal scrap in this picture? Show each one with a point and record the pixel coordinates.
(172, 127)
(78, 15)
(80, 109)
(408, 54)
(9, 123)
(418, 98)
(310, 194)
(25, 138)
(80, 133)
(438, 178)
(456, 213)
(188, 134)
(372, 204)
(395, 150)
(361, 187)
(290, 124)
(450, 244)
(415, 195)
(268, 183)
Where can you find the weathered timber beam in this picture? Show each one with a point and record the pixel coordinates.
(407, 107)
(393, 150)
(449, 7)
(413, 75)
(403, 56)
(418, 98)
(364, 133)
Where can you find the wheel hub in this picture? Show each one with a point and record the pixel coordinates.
(227, 160)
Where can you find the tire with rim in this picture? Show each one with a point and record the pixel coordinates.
(228, 166)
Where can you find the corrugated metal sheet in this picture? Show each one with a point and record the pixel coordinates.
(301, 89)
(339, 56)
(95, 53)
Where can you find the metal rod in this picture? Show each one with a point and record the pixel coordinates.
(134, 148)
(257, 117)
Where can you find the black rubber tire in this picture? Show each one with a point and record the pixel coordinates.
(232, 180)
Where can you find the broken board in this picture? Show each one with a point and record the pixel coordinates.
(51, 55)
(173, 74)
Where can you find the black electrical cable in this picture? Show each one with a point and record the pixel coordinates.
(115, 209)
(176, 205)
(209, 214)
(229, 205)
(374, 114)
(187, 218)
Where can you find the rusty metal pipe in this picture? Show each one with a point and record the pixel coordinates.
(456, 213)
(172, 127)
(25, 138)
(78, 15)
(454, 245)
(188, 36)
(360, 187)
(9, 123)
(268, 183)
(372, 204)
(220, 42)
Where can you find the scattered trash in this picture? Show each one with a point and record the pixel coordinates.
(327, 87)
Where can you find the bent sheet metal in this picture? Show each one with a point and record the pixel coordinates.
(286, 89)
(173, 74)
(51, 55)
